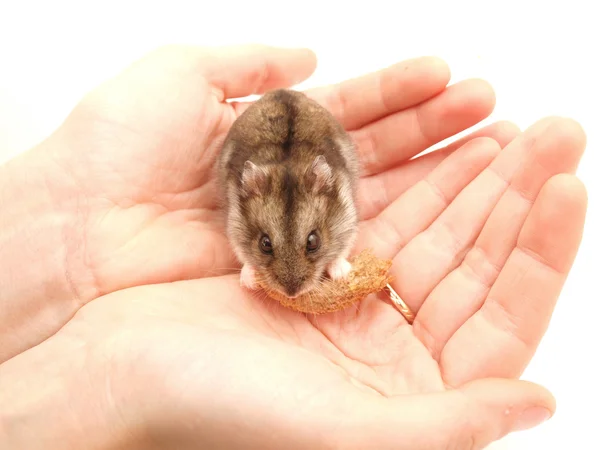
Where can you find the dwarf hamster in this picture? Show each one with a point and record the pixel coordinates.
(288, 171)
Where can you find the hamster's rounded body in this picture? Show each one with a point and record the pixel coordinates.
(288, 171)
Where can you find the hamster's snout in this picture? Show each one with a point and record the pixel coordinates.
(292, 284)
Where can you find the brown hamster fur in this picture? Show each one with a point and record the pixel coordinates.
(288, 171)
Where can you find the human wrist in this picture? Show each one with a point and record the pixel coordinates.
(39, 283)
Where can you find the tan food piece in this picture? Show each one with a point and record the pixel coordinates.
(369, 274)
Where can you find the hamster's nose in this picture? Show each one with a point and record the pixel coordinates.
(292, 290)
(292, 293)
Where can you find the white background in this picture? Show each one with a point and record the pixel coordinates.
(541, 58)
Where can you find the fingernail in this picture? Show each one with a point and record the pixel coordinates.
(531, 417)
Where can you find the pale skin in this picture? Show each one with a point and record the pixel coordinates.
(122, 316)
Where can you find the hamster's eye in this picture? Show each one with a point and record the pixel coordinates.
(265, 245)
(313, 242)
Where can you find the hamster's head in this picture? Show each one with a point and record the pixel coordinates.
(290, 223)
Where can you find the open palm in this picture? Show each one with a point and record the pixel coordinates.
(481, 239)
(142, 151)
(232, 370)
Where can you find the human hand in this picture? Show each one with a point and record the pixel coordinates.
(207, 364)
(126, 182)
(552, 156)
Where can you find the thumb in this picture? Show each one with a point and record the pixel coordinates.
(239, 71)
(468, 418)
(493, 408)
(231, 71)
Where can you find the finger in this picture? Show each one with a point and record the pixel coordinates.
(471, 417)
(418, 207)
(399, 137)
(254, 69)
(503, 132)
(501, 338)
(515, 176)
(359, 101)
(377, 192)
(556, 146)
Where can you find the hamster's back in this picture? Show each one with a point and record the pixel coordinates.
(286, 127)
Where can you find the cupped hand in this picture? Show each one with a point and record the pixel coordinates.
(481, 241)
(206, 364)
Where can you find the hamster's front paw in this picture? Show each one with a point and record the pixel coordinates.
(248, 277)
(340, 268)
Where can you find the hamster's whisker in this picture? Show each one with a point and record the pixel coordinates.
(356, 307)
(311, 302)
(215, 271)
(264, 300)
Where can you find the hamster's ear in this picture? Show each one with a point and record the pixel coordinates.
(254, 179)
(320, 175)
